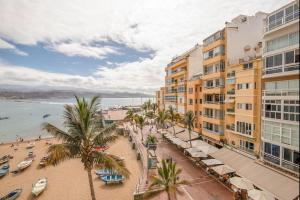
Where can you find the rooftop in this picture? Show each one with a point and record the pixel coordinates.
(114, 115)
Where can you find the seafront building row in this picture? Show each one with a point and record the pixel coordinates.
(242, 83)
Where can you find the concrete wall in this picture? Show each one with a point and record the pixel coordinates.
(195, 62)
(242, 32)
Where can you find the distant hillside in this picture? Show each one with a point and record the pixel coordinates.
(13, 94)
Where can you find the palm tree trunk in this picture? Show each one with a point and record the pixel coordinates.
(174, 129)
(190, 138)
(142, 135)
(91, 184)
(169, 195)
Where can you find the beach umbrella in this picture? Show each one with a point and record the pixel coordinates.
(223, 169)
(241, 183)
(259, 195)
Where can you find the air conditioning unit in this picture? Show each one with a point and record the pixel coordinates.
(247, 48)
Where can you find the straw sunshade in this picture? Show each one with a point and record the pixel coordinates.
(259, 195)
(241, 183)
(223, 169)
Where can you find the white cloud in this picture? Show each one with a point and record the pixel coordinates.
(20, 75)
(6, 45)
(85, 50)
(168, 27)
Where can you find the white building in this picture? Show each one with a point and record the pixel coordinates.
(280, 89)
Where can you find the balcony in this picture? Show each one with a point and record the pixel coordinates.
(287, 17)
(213, 131)
(231, 74)
(213, 102)
(230, 111)
(230, 127)
(280, 93)
(231, 92)
(281, 70)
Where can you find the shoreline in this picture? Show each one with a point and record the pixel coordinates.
(27, 140)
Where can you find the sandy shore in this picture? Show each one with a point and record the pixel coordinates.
(68, 180)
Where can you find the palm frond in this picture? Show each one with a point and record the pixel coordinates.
(58, 133)
(104, 160)
(60, 152)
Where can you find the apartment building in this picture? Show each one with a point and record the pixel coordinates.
(177, 73)
(160, 95)
(194, 100)
(280, 89)
(213, 90)
(243, 82)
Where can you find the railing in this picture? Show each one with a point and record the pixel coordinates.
(246, 149)
(291, 92)
(230, 127)
(271, 158)
(214, 132)
(213, 102)
(289, 165)
(286, 19)
(231, 92)
(230, 110)
(281, 69)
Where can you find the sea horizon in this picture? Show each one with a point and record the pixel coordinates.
(25, 116)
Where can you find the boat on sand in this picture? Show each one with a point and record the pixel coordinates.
(39, 186)
(24, 164)
(12, 195)
(4, 170)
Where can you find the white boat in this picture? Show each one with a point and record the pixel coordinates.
(24, 164)
(39, 186)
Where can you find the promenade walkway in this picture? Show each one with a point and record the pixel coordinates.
(203, 186)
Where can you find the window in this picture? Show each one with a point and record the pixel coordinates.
(196, 101)
(272, 109)
(246, 145)
(244, 128)
(276, 150)
(200, 101)
(267, 148)
(195, 113)
(190, 90)
(191, 101)
(248, 66)
(289, 57)
(287, 154)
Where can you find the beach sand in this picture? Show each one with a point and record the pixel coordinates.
(68, 180)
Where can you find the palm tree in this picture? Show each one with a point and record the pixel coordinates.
(84, 132)
(154, 107)
(189, 119)
(168, 179)
(173, 116)
(141, 123)
(162, 117)
(129, 115)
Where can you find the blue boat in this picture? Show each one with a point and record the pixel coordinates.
(4, 170)
(104, 172)
(12, 195)
(112, 179)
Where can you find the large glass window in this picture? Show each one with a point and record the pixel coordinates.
(289, 57)
(276, 150)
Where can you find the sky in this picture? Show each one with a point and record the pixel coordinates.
(106, 45)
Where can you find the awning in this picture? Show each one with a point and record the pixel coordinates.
(185, 135)
(204, 147)
(259, 195)
(281, 186)
(223, 169)
(191, 150)
(211, 162)
(241, 183)
(198, 154)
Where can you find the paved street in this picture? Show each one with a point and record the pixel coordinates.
(202, 186)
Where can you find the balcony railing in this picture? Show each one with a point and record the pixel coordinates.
(230, 127)
(231, 92)
(213, 102)
(281, 69)
(230, 110)
(281, 21)
(278, 93)
(214, 132)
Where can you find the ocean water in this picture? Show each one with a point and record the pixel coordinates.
(26, 117)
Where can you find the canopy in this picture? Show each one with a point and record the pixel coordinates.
(211, 162)
(223, 169)
(259, 174)
(198, 154)
(259, 195)
(204, 147)
(193, 149)
(241, 183)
